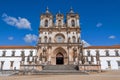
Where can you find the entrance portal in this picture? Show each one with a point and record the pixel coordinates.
(59, 58)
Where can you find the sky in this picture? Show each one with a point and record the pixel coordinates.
(99, 20)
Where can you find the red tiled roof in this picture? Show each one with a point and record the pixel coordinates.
(17, 47)
(103, 47)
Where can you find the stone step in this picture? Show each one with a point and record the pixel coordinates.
(59, 67)
(60, 72)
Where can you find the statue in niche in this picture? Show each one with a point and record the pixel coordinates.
(75, 53)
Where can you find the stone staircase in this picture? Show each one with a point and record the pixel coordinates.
(60, 70)
(8, 72)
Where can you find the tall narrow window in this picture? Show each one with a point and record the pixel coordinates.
(107, 53)
(109, 64)
(88, 53)
(46, 23)
(97, 53)
(118, 62)
(74, 39)
(59, 23)
(45, 38)
(116, 53)
(2, 64)
(22, 53)
(31, 53)
(73, 23)
(11, 63)
(13, 53)
(4, 53)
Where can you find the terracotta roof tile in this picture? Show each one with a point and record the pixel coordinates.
(17, 47)
(103, 47)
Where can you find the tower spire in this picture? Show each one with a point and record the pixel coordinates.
(71, 10)
(47, 10)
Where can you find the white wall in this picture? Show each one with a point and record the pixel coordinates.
(103, 58)
(16, 58)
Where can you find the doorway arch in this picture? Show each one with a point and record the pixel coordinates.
(59, 59)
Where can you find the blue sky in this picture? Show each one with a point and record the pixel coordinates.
(20, 19)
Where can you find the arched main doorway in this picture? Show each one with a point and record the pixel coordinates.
(59, 59)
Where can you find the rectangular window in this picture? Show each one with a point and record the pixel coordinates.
(2, 64)
(11, 63)
(116, 53)
(13, 53)
(107, 53)
(109, 64)
(97, 53)
(4, 53)
(22, 53)
(31, 53)
(118, 62)
(88, 53)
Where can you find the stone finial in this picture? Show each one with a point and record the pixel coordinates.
(71, 10)
(47, 10)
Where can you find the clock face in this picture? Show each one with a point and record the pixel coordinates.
(59, 38)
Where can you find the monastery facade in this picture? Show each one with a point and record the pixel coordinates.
(60, 44)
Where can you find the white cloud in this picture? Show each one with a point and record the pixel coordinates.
(21, 23)
(112, 37)
(30, 38)
(10, 38)
(99, 24)
(85, 44)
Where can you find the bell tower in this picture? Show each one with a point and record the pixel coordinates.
(59, 20)
(46, 19)
(72, 19)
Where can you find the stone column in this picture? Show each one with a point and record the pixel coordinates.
(68, 54)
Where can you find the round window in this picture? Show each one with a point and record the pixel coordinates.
(59, 38)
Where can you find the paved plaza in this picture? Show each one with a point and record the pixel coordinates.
(109, 75)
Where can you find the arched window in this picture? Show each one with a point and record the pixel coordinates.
(73, 23)
(74, 39)
(59, 23)
(49, 39)
(46, 23)
(45, 38)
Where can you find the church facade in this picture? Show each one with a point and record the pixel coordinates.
(60, 43)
